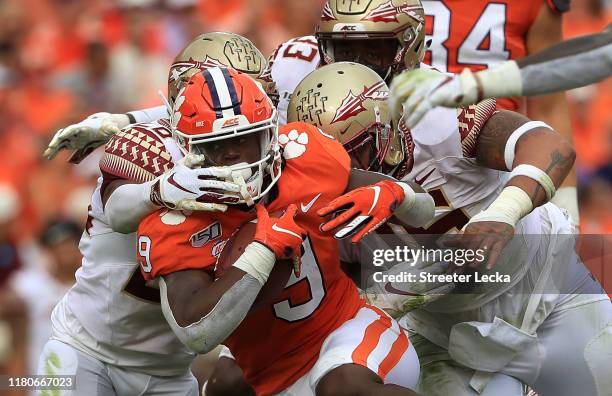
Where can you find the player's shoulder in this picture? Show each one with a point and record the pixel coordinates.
(305, 143)
(289, 48)
(293, 60)
(314, 162)
(170, 240)
(453, 131)
(140, 152)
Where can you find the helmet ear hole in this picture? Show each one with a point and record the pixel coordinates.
(319, 85)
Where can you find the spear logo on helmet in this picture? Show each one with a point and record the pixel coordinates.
(387, 12)
(353, 104)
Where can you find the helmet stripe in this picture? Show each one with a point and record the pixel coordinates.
(210, 83)
(232, 90)
(227, 107)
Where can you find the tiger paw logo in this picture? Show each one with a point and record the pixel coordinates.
(293, 144)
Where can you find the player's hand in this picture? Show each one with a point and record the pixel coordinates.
(362, 210)
(421, 90)
(86, 135)
(399, 298)
(490, 236)
(280, 234)
(188, 187)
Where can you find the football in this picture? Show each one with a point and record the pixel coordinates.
(232, 250)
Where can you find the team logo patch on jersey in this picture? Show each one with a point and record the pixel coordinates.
(173, 217)
(353, 104)
(387, 12)
(293, 144)
(210, 233)
(328, 15)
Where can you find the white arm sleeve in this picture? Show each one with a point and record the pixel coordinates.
(211, 330)
(128, 205)
(148, 115)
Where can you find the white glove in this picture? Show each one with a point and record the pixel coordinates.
(86, 135)
(421, 90)
(399, 298)
(186, 187)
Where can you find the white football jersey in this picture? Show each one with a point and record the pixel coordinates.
(441, 158)
(289, 64)
(110, 313)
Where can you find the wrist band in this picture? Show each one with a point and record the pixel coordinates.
(537, 174)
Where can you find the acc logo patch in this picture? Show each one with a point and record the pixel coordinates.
(218, 247)
(210, 233)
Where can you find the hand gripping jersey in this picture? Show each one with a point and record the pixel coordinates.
(481, 33)
(274, 345)
(289, 64)
(109, 313)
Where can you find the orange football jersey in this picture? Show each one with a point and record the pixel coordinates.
(481, 33)
(278, 344)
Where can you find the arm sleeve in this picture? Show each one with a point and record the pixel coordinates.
(148, 115)
(567, 65)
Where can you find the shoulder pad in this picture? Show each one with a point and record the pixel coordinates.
(138, 153)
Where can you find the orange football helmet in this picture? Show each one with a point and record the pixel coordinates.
(226, 116)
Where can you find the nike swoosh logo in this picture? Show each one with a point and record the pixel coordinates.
(422, 180)
(306, 208)
(375, 200)
(389, 288)
(275, 227)
(175, 184)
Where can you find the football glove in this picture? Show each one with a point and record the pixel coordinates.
(188, 187)
(399, 298)
(364, 209)
(281, 235)
(86, 136)
(420, 90)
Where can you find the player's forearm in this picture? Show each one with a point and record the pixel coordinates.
(545, 150)
(148, 115)
(567, 65)
(537, 158)
(127, 205)
(214, 324)
(203, 312)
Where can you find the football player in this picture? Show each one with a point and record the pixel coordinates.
(389, 43)
(317, 333)
(109, 330)
(571, 64)
(482, 33)
(490, 180)
(206, 50)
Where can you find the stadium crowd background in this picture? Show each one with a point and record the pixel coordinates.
(62, 60)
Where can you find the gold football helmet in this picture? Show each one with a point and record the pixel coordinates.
(218, 49)
(349, 101)
(386, 35)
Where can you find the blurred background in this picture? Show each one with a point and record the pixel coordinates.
(62, 60)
